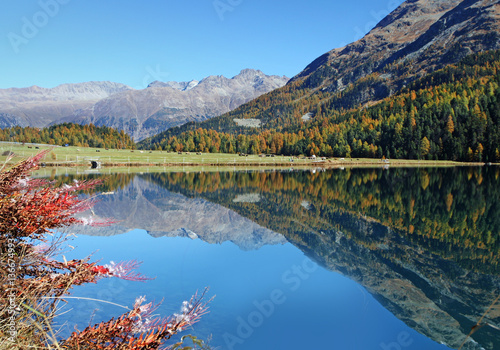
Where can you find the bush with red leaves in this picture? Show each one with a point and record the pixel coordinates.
(33, 281)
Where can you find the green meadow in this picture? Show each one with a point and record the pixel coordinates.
(84, 156)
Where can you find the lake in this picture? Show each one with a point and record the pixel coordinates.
(337, 259)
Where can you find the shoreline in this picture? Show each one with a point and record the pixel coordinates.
(328, 164)
(85, 157)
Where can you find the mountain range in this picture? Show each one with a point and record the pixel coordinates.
(140, 113)
(416, 39)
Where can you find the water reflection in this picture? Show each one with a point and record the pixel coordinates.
(423, 242)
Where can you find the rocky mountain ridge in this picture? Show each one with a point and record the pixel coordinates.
(92, 90)
(418, 37)
(140, 113)
(181, 86)
(37, 106)
(147, 112)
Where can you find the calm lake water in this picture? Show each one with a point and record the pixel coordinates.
(339, 259)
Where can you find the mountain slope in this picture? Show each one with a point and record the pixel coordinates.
(450, 114)
(427, 34)
(417, 38)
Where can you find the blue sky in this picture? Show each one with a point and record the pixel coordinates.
(50, 42)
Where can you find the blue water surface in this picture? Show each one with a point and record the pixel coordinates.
(271, 298)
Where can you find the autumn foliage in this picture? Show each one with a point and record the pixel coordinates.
(72, 134)
(34, 280)
(450, 114)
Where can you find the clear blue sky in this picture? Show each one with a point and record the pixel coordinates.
(50, 42)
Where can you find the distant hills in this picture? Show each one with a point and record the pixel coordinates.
(308, 115)
(140, 113)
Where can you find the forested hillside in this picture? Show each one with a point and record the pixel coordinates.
(70, 134)
(451, 114)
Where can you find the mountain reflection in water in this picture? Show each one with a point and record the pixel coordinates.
(424, 242)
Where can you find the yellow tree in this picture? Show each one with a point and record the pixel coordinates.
(450, 126)
(425, 146)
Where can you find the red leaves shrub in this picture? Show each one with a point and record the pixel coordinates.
(34, 282)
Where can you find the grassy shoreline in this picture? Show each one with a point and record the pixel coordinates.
(83, 157)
